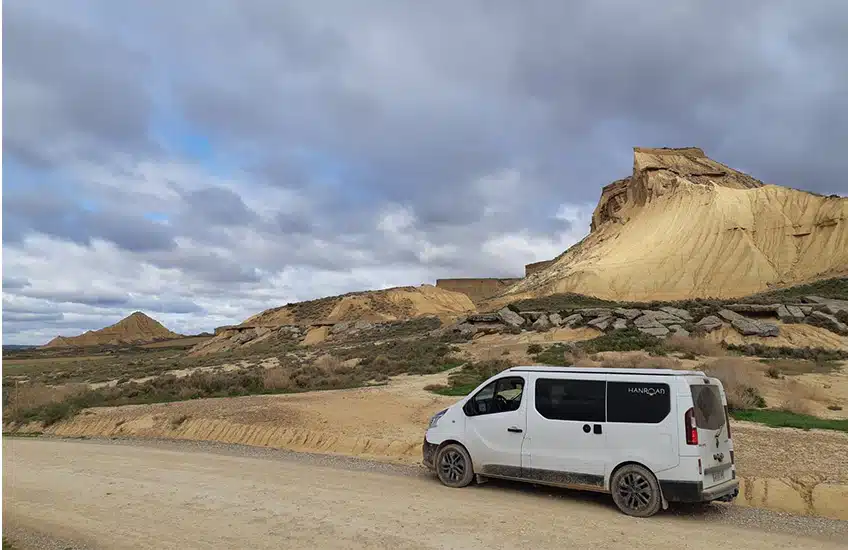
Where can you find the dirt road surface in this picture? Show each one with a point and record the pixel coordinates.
(120, 495)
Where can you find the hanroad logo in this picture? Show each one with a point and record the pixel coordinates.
(648, 391)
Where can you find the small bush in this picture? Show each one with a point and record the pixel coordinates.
(834, 407)
(693, 346)
(640, 361)
(534, 349)
(773, 372)
(629, 339)
(739, 381)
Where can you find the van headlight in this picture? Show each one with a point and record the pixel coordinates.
(434, 420)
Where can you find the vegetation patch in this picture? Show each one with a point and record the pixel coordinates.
(471, 375)
(787, 419)
(795, 367)
(819, 355)
(628, 339)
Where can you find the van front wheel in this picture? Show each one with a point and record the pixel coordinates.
(453, 466)
(636, 491)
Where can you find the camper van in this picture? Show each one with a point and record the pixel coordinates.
(647, 436)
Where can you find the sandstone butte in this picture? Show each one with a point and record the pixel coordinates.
(684, 226)
(138, 328)
(374, 306)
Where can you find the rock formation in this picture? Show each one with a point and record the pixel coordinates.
(684, 226)
(138, 328)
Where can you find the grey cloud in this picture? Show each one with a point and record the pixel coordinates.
(62, 217)
(89, 298)
(69, 90)
(34, 318)
(14, 283)
(219, 206)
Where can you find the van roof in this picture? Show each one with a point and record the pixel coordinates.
(606, 370)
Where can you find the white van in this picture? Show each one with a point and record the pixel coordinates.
(648, 436)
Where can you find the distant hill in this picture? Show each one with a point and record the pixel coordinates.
(138, 328)
(17, 347)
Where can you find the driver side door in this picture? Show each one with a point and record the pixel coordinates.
(495, 426)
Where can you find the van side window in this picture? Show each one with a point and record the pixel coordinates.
(637, 402)
(581, 400)
(501, 395)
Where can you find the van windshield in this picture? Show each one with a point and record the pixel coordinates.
(709, 412)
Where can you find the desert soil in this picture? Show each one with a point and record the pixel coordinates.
(388, 422)
(110, 495)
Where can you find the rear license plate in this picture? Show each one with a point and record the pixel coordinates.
(718, 476)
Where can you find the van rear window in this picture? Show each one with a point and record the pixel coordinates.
(709, 411)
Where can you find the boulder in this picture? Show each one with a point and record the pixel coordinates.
(831, 305)
(532, 315)
(555, 319)
(678, 330)
(796, 311)
(748, 327)
(465, 329)
(627, 313)
(753, 308)
(663, 317)
(829, 322)
(510, 317)
(619, 324)
(658, 331)
(542, 324)
(483, 318)
(647, 321)
(682, 313)
(340, 327)
(769, 329)
(600, 323)
(595, 311)
(709, 323)
(572, 320)
(806, 310)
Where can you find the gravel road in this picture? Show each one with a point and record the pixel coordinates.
(121, 494)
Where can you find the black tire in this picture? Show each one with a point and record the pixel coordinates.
(636, 491)
(453, 466)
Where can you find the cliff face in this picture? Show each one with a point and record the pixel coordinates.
(138, 328)
(685, 226)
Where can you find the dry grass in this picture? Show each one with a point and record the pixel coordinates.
(740, 381)
(693, 346)
(27, 396)
(640, 361)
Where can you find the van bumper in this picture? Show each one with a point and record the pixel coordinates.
(428, 451)
(693, 491)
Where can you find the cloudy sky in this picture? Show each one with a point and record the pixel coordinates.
(205, 160)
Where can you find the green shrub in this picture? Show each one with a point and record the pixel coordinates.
(628, 339)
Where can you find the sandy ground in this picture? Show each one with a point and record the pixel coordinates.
(97, 495)
(388, 422)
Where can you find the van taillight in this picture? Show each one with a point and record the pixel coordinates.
(727, 421)
(691, 429)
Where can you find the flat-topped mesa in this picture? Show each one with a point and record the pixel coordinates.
(658, 171)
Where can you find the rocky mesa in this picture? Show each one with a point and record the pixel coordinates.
(137, 328)
(684, 226)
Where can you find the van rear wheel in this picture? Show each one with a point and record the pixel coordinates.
(636, 491)
(453, 466)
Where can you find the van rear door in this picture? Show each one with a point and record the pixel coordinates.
(706, 425)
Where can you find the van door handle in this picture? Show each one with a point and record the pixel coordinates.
(514, 429)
